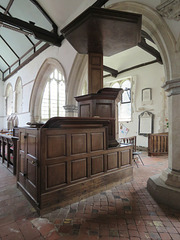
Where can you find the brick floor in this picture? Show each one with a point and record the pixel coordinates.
(124, 212)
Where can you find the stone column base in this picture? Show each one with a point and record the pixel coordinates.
(163, 193)
(171, 178)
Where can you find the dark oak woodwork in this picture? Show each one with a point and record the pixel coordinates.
(39, 33)
(95, 72)
(103, 104)
(157, 144)
(8, 151)
(57, 166)
(104, 31)
(28, 161)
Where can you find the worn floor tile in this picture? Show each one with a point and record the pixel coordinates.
(126, 211)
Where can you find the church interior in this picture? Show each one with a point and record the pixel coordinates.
(89, 119)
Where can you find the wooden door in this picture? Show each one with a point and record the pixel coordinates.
(28, 161)
(31, 161)
(21, 158)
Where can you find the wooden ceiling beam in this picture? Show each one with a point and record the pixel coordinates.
(4, 61)
(132, 68)
(12, 50)
(112, 71)
(39, 33)
(146, 35)
(150, 50)
(55, 28)
(8, 7)
(99, 3)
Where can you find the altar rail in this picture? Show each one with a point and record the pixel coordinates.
(157, 144)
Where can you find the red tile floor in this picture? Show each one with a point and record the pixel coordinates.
(124, 212)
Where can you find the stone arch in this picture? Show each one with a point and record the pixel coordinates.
(159, 32)
(77, 75)
(38, 88)
(18, 81)
(157, 29)
(8, 86)
(9, 99)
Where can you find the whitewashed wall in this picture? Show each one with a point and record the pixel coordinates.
(151, 76)
(2, 103)
(65, 55)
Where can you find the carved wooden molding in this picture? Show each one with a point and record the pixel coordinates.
(170, 9)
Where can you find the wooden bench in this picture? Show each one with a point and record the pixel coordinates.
(8, 151)
(157, 144)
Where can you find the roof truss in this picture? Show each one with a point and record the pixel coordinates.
(30, 28)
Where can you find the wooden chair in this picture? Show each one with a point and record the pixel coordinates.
(135, 153)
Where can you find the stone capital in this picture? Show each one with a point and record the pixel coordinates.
(70, 108)
(170, 9)
(172, 86)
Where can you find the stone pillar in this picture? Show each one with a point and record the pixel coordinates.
(71, 110)
(165, 187)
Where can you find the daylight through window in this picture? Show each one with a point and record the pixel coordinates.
(54, 96)
(124, 107)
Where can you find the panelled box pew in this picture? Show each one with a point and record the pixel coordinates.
(68, 159)
(8, 151)
(157, 144)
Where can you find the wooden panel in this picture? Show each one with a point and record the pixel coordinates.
(76, 192)
(21, 162)
(125, 157)
(112, 161)
(31, 145)
(95, 60)
(103, 30)
(32, 170)
(157, 144)
(56, 146)
(85, 110)
(104, 110)
(78, 143)
(97, 164)
(56, 174)
(31, 189)
(95, 72)
(78, 169)
(97, 141)
(22, 141)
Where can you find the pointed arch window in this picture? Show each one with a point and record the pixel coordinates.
(18, 96)
(54, 96)
(9, 100)
(124, 107)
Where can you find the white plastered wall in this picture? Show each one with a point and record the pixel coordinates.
(2, 103)
(65, 55)
(151, 76)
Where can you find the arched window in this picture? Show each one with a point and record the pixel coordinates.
(9, 99)
(18, 98)
(124, 109)
(54, 96)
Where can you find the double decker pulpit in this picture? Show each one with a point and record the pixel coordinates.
(103, 104)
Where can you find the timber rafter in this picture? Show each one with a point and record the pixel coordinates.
(38, 32)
